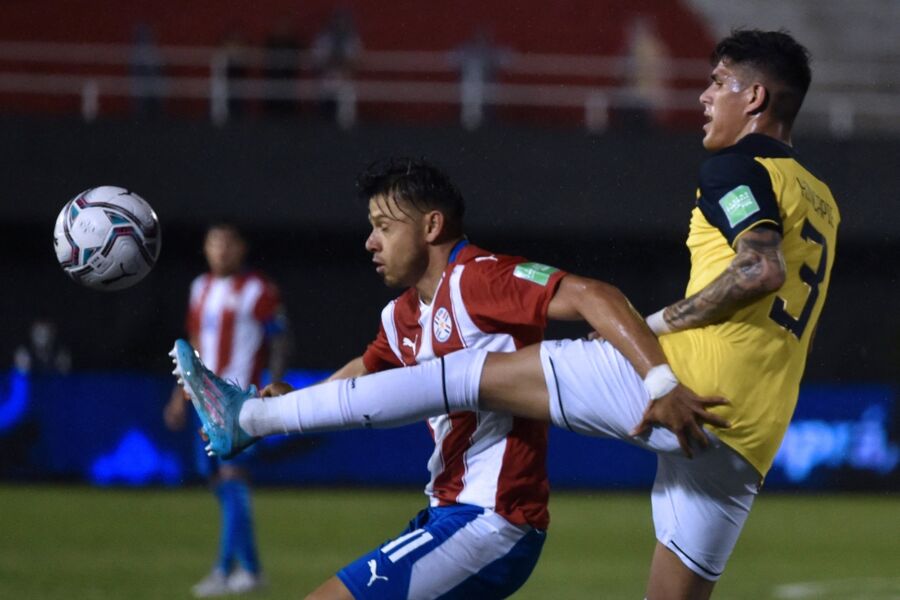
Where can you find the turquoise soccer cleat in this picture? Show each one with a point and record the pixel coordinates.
(217, 402)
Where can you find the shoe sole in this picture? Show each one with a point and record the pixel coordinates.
(184, 356)
(209, 406)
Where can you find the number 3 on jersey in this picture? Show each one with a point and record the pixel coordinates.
(811, 278)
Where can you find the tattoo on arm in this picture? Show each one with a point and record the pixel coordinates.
(757, 270)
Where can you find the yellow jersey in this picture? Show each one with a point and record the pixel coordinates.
(755, 359)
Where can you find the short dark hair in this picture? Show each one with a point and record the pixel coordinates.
(417, 182)
(225, 225)
(775, 54)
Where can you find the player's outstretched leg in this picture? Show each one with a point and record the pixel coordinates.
(217, 402)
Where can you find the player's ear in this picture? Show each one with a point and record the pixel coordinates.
(434, 225)
(758, 99)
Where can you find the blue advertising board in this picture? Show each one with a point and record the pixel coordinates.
(107, 428)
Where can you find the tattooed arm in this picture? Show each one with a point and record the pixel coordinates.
(758, 269)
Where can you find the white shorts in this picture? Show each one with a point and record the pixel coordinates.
(700, 504)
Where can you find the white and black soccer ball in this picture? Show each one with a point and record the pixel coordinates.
(107, 238)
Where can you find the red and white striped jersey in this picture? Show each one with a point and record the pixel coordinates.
(228, 321)
(488, 301)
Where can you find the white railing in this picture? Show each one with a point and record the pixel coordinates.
(846, 97)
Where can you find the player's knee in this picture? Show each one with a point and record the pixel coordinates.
(514, 382)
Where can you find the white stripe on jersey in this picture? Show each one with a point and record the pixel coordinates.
(390, 329)
(461, 317)
(247, 335)
(484, 459)
(440, 428)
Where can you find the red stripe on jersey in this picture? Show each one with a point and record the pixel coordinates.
(523, 490)
(269, 300)
(449, 483)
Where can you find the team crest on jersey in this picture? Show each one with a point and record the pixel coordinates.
(443, 325)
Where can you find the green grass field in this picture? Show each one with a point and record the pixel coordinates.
(59, 542)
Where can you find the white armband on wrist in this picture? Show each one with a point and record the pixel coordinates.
(660, 380)
(657, 323)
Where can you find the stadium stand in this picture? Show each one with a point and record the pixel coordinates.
(406, 57)
(856, 69)
(616, 63)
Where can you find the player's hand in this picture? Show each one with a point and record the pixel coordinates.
(175, 414)
(276, 388)
(683, 412)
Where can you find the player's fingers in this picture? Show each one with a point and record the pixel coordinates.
(647, 420)
(174, 421)
(203, 435)
(715, 401)
(712, 418)
(698, 434)
(685, 444)
(715, 420)
(276, 388)
(641, 427)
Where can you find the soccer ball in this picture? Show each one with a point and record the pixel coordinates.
(107, 238)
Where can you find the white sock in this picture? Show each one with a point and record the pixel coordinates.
(388, 399)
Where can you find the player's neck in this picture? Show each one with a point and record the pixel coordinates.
(438, 257)
(773, 129)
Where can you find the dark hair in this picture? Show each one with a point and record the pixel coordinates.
(416, 182)
(225, 225)
(777, 55)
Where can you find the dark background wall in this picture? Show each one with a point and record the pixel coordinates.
(614, 206)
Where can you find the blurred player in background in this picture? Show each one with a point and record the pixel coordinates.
(237, 323)
(762, 242)
(44, 352)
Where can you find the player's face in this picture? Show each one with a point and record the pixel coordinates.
(224, 250)
(397, 242)
(725, 107)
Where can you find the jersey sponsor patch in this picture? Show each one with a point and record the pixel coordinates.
(443, 325)
(534, 272)
(738, 204)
